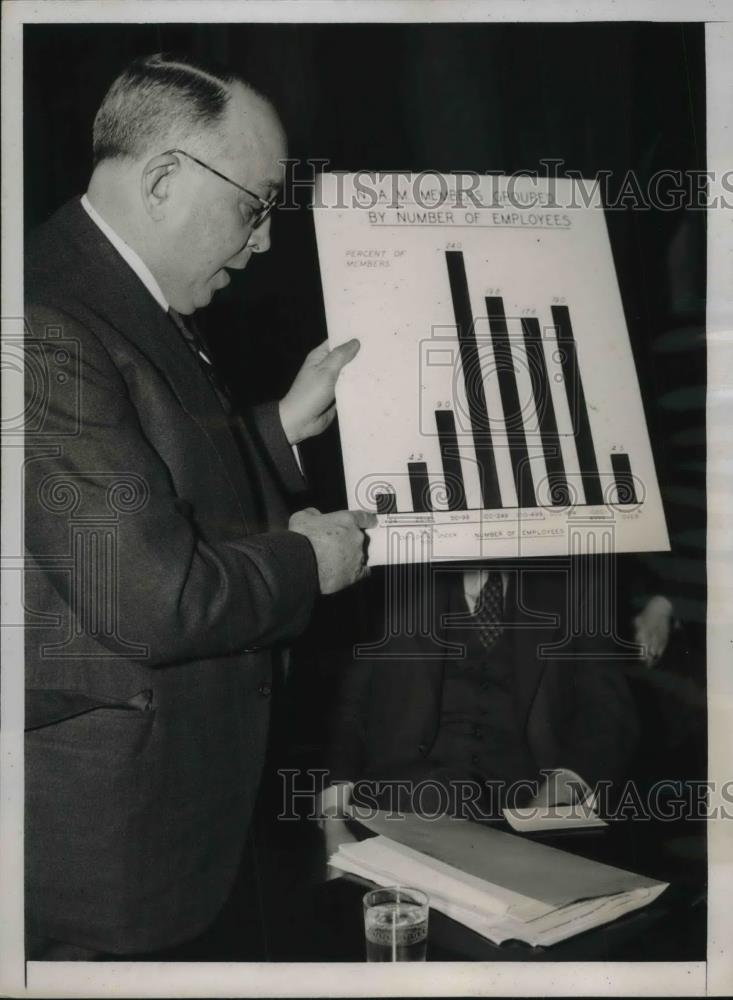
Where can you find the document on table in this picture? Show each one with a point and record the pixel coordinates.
(534, 819)
(497, 884)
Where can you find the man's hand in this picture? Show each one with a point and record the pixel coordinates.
(652, 627)
(559, 787)
(339, 543)
(308, 408)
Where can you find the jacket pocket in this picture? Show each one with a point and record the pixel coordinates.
(90, 726)
(46, 706)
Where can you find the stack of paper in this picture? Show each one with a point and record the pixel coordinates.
(580, 815)
(499, 885)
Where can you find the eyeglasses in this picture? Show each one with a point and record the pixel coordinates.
(266, 206)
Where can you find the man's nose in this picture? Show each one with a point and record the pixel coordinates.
(259, 240)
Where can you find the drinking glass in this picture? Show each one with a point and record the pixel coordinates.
(396, 924)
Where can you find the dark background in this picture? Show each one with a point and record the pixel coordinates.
(613, 97)
(617, 97)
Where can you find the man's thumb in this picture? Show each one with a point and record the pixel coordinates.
(364, 518)
(343, 354)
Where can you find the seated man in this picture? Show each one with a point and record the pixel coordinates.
(502, 690)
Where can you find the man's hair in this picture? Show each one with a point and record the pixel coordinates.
(160, 99)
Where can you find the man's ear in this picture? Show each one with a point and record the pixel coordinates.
(157, 181)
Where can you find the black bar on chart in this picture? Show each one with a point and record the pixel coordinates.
(559, 492)
(510, 402)
(624, 479)
(454, 486)
(420, 487)
(577, 406)
(386, 503)
(473, 379)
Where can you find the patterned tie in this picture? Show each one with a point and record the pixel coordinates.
(489, 611)
(194, 342)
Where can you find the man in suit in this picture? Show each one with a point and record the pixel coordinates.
(164, 573)
(488, 686)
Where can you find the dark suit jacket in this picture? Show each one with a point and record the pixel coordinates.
(160, 581)
(571, 700)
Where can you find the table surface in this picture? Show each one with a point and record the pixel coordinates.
(325, 922)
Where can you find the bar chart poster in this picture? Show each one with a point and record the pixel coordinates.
(493, 410)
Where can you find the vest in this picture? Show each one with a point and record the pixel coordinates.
(479, 734)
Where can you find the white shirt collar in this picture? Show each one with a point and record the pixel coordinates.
(473, 584)
(127, 253)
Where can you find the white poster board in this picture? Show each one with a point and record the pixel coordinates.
(493, 410)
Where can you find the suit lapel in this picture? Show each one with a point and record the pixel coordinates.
(124, 303)
(533, 622)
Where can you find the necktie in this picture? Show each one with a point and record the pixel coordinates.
(194, 342)
(489, 611)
